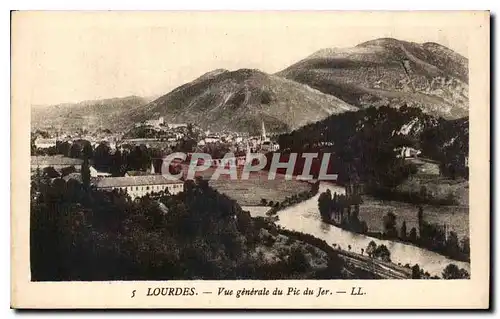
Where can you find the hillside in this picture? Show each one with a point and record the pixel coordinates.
(240, 100)
(390, 72)
(107, 113)
(364, 142)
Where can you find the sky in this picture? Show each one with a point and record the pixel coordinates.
(74, 56)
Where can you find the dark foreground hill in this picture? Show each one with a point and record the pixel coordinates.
(390, 72)
(365, 143)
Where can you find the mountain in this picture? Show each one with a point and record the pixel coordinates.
(106, 113)
(240, 100)
(390, 72)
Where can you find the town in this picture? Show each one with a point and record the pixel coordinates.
(133, 161)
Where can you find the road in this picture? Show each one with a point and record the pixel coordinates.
(383, 269)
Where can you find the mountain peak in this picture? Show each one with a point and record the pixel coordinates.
(382, 42)
(241, 100)
(389, 71)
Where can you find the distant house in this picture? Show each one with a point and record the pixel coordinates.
(425, 166)
(268, 146)
(138, 186)
(406, 152)
(57, 162)
(45, 142)
(238, 139)
(155, 123)
(96, 173)
(212, 139)
(136, 173)
(176, 125)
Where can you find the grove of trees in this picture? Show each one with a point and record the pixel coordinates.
(80, 233)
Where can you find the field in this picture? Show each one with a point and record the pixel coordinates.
(373, 210)
(250, 192)
(438, 189)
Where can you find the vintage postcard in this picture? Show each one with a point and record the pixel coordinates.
(319, 160)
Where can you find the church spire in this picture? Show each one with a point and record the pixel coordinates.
(264, 137)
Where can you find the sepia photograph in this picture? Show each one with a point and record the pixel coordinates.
(179, 147)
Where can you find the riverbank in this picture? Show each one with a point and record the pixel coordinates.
(305, 218)
(373, 209)
(442, 229)
(355, 266)
(377, 235)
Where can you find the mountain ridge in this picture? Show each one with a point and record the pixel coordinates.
(88, 113)
(379, 72)
(387, 71)
(240, 100)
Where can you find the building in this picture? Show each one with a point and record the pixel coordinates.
(45, 142)
(138, 186)
(268, 146)
(96, 173)
(176, 125)
(160, 121)
(136, 173)
(212, 139)
(264, 135)
(57, 162)
(406, 152)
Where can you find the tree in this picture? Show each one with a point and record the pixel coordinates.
(370, 249)
(453, 272)
(452, 244)
(382, 253)
(415, 272)
(102, 157)
(402, 234)
(63, 148)
(50, 172)
(325, 204)
(413, 235)
(297, 261)
(87, 150)
(139, 158)
(465, 245)
(390, 225)
(75, 150)
(67, 170)
(420, 216)
(118, 166)
(364, 227)
(85, 172)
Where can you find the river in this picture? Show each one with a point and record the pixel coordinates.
(304, 217)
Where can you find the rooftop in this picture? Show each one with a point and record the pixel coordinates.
(55, 160)
(137, 173)
(75, 176)
(109, 182)
(421, 160)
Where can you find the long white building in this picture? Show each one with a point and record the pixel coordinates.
(138, 186)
